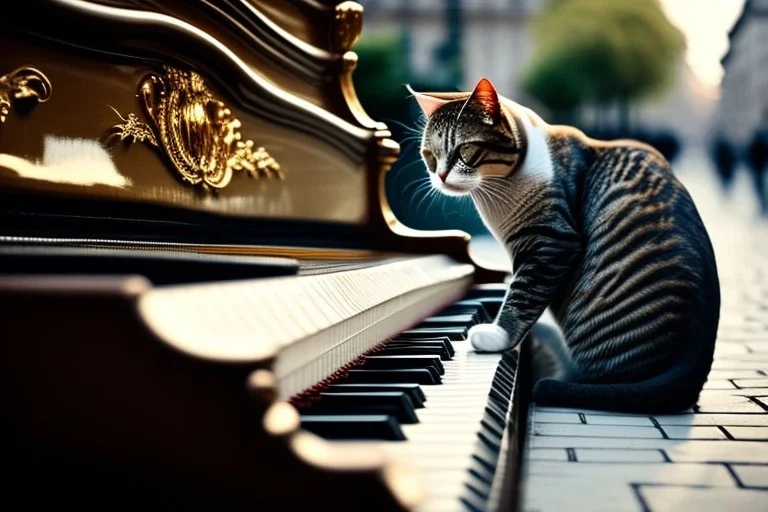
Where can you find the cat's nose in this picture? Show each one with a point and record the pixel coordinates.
(442, 175)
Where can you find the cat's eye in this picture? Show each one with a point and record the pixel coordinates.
(467, 152)
(429, 158)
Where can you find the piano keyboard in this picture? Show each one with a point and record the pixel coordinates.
(429, 399)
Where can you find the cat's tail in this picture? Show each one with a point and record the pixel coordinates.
(661, 395)
(673, 391)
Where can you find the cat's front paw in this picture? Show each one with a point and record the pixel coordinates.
(489, 338)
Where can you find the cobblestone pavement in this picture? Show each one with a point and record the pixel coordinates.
(711, 458)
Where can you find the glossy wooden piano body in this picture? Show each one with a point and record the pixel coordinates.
(192, 142)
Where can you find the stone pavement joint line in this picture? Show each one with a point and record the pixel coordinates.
(711, 458)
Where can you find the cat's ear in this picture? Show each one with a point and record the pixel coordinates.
(427, 103)
(485, 97)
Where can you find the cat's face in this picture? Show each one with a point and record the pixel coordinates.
(469, 140)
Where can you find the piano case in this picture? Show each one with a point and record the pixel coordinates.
(158, 158)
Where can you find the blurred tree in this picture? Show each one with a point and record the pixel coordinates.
(382, 71)
(602, 52)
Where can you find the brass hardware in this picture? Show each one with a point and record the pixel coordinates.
(25, 83)
(198, 134)
(262, 386)
(348, 25)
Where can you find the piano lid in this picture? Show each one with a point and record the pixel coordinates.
(206, 113)
(209, 106)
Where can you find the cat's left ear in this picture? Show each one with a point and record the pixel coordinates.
(485, 97)
(427, 103)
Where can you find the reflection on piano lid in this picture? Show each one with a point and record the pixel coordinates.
(205, 299)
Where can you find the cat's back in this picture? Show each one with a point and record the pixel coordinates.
(631, 185)
(639, 218)
(648, 273)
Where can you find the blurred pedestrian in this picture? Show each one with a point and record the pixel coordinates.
(724, 156)
(757, 161)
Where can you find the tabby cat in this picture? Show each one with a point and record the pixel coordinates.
(601, 233)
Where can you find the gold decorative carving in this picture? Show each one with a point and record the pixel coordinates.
(348, 23)
(347, 27)
(198, 134)
(22, 84)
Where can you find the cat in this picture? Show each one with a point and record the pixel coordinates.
(600, 232)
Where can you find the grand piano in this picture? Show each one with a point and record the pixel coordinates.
(205, 299)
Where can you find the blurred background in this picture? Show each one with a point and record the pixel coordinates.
(687, 76)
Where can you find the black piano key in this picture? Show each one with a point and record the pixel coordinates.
(452, 333)
(448, 321)
(377, 362)
(474, 305)
(479, 292)
(456, 309)
(413, 350)
(372, 426)
(482, 476)
(416, 376)
(492, 430)
(414, 392)
(392, 403)
(492, 305)
(443, 340)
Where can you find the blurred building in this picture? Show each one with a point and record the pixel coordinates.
(743, 104)
(489, 38)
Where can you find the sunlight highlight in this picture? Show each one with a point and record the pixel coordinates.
(705, 24)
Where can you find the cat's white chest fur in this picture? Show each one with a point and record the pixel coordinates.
(497, 200)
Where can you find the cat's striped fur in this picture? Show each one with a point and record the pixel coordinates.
(603, 234)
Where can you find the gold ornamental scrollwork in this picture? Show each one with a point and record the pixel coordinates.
(348, 25)
(21, 85)
(198, 134)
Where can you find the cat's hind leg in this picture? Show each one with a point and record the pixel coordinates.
(551, 357)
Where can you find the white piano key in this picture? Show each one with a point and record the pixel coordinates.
(442, 445)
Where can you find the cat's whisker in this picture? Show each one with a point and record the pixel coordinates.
(429, 193)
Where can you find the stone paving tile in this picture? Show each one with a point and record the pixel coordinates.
(719, 384)
(712, 394)
(605, 455)
(584, 411)
(577, 494)
(752, 476)
(720, 402)
(557, 417)
(758, 347)
(748, 433)
(676, 449)
(557, 454)
(676, 499)
(752, 383)
(602, 431)
(716, 475)
(606, 419)
(735, 374)
(730, 348)
(713, 419)
(731, 364)
(693, 432)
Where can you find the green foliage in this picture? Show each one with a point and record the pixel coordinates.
(601, 51)
(380, 77)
